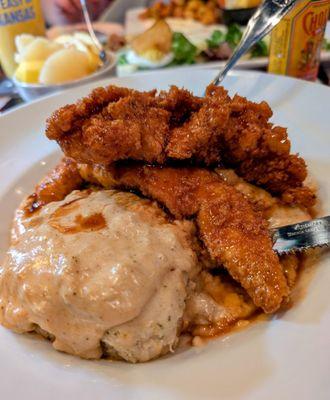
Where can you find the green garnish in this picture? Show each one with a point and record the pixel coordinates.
(260, 49)
(216, 38)
(122, 60)
(233, 35)
(184, 51)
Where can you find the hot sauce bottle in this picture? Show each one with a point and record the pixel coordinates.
(296, 42)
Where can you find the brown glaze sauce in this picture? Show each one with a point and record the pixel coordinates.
(91, 223)
(33, 203)
(305, 270)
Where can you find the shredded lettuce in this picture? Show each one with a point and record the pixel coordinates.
(233, 35)
(216, 39)
(183, 50)
(122, 60)
(260, 49)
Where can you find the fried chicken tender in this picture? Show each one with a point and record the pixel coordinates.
(234, 234)
(113, 124)
(55, 186)
(123, 124)
(200, 137)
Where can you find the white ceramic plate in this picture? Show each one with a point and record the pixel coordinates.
(286, 358)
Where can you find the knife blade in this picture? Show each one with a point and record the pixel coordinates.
(302, 236)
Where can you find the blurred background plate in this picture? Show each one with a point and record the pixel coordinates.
(197, 32)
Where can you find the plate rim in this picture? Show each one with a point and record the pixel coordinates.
(101, 82)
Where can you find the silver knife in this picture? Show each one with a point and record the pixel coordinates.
(302, 236)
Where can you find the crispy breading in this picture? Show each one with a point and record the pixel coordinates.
(114, 124)
(200, 137)
(299, 196)
(234, 234)
(57, 184)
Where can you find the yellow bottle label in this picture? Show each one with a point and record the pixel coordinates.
(296, 41)
(16, 17)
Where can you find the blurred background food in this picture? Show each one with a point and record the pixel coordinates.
(153, 48)
(206, 12)
(49, 62)
(148, 34)
(17, 17)
(200, 43)
(167, 44)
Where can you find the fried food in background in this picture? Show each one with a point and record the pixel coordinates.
(116, 42)
(157, 38)
(206, 12)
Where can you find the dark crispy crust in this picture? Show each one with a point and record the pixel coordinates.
(201, 136)
(299, 195)
(60, 182)
(234, 234)
(114, 124)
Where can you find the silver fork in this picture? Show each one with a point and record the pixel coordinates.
(262, 22)
(89, 25)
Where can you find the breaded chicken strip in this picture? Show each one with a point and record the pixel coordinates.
(56, 185)
(123, 124)
(234, 234)
(115, 123)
